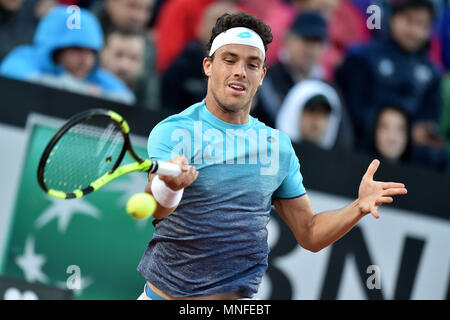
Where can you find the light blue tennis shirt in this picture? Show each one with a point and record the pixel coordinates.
(216, 239)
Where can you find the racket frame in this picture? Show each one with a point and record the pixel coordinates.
(114, 172)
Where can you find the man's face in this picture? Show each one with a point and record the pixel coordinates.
(77, 61)
(124, 56)
(411, 28)
(313, 125)
(303, 53)
(391, 135)
(11, 5)
(234, 75)
(133, 14)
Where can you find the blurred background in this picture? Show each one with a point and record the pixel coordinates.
(348, 81)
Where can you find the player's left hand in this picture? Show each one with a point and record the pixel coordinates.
(373, 194)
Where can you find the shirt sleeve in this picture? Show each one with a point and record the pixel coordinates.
(292, 185)
(159, 144)
(168, 139)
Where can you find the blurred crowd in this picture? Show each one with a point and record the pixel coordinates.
(341, 73)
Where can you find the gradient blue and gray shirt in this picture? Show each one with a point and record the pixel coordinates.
(216, 240)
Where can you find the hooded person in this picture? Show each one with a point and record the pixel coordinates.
(312, 111)
(64, 54)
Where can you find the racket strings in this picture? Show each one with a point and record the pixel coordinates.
(83, 154)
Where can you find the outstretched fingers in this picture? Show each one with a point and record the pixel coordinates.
(388, 185)
(372, 169)
(395, 191)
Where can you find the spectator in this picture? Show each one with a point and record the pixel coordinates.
(303, 46)
(346, 27)
(18, 20)
(128, 14)
(392, 141)
(184, 83)
(124, 55)
(134, 15)
(312, 112)
(66, 58)
(392, 135)
(395, 67)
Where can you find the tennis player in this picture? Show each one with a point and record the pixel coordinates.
(210, 239)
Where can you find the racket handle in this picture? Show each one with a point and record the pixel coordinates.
(166, 168)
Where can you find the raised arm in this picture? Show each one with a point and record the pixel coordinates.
(317, 231)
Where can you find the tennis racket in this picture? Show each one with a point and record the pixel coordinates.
(86, 153)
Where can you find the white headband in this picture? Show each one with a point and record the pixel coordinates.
(238, 35)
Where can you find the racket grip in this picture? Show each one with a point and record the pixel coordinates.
(166, 168)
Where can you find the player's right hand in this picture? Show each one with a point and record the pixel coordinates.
(187, 177)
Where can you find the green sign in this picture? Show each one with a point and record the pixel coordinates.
(92, 239)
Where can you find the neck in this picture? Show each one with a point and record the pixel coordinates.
(227, 114)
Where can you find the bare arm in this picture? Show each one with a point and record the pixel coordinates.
(188, 175)
(317, 231)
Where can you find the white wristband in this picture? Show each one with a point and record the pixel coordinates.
(165, 196)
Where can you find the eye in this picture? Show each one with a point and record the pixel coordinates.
(229, 61)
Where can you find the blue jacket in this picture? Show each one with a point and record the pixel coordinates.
(55, 31)
(381, 74)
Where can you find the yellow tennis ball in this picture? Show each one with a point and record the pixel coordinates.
(141, 205)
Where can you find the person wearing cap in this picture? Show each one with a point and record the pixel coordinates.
(65, 56)
(303, 45)
(210, 238)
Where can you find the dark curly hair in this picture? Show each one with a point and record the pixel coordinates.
(241, 19)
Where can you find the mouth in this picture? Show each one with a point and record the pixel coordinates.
(237, 87)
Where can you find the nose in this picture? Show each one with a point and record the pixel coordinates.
(240, 70)
(122, 63)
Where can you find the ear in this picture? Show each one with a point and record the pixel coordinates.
(207, 67)
(263, 75)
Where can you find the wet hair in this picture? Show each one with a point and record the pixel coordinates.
(241, 19)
